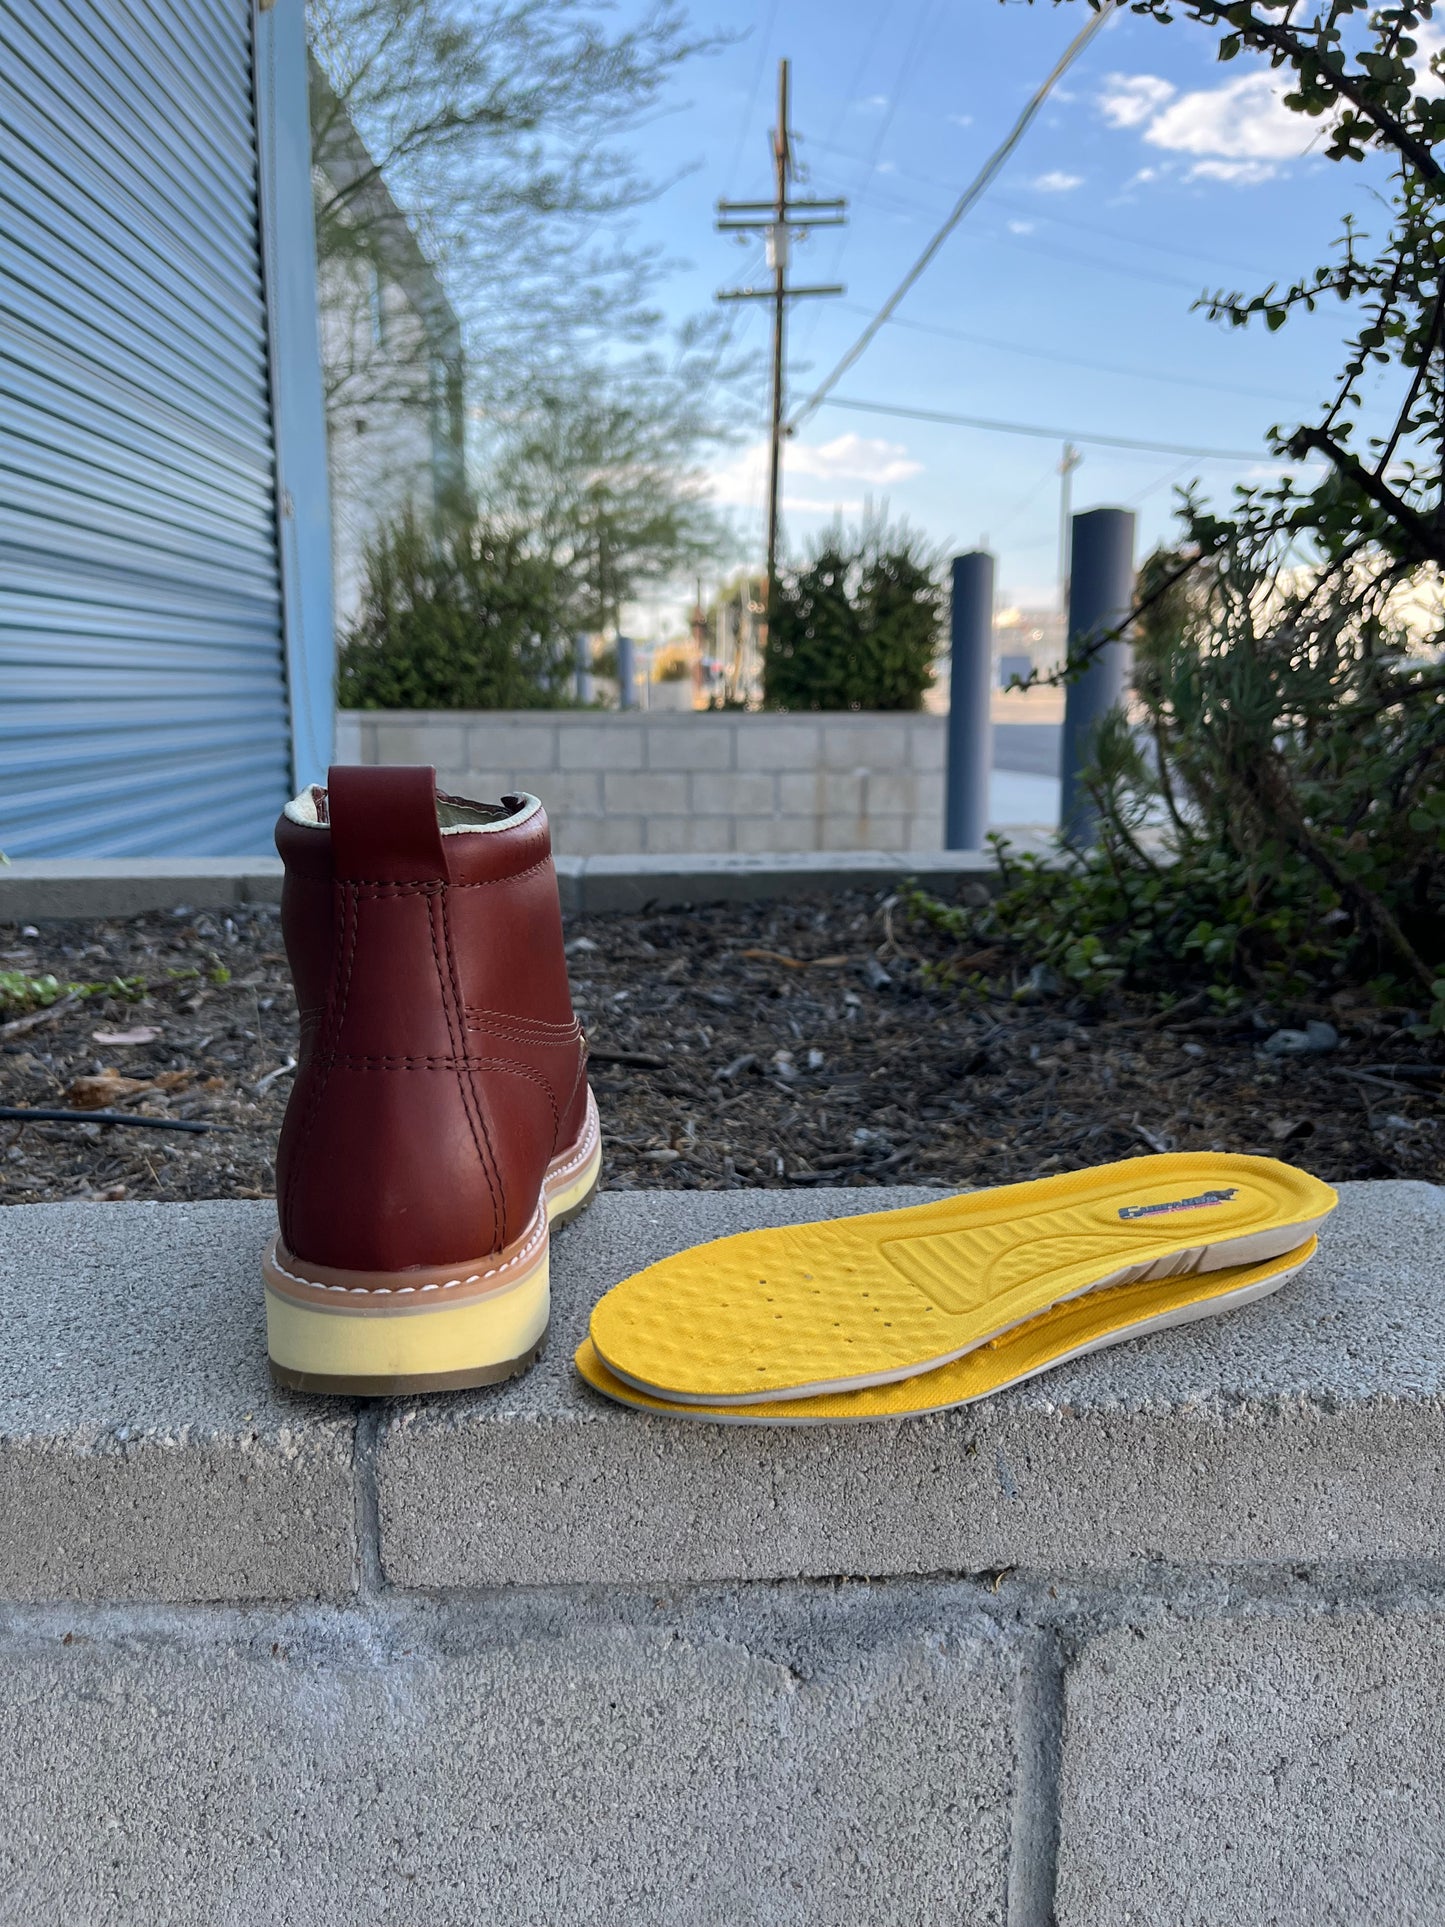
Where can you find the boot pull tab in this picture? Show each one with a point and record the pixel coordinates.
(384, 825)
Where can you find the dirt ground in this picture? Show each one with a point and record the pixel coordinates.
(774, 1044)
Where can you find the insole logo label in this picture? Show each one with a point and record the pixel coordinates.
(1177, 1204)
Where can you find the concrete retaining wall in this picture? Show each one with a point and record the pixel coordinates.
(1158, 1638)
(682, 784)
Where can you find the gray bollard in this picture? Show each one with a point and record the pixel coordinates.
(626, 685)
(582, 662)
(1101, 593)
(970, 727)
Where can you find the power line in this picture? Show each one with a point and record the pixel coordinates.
(971, 194)
(1051, 434)
(745, 126)
(1037, 213)
(1070, 361)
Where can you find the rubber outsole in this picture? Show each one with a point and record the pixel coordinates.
(389, 1335)
(1069, 1331)
(372, 1386)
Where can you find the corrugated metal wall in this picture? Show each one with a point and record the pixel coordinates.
(142, 681)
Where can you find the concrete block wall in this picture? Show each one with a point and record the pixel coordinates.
(692, 784)
(1159, 1638)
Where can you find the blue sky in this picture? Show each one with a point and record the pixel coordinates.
(1153, 174)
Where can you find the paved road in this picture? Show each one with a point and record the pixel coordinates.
(1032, 748)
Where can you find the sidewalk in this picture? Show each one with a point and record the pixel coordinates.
(126, 886)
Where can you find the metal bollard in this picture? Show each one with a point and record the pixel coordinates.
(582, 662)
(1101, 593)
(626, 686)
(970, 726)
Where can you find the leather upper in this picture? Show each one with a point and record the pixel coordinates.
(440, 1066)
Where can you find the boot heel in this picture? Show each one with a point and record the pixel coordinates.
(387, 1334)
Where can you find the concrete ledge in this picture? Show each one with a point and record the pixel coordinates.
(1309, 1426)
(143, 1453)
(125, 886)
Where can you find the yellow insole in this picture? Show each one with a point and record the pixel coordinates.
(800, 1310)
(1100, 1318)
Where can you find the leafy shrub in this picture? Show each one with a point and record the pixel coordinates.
(461, 616)
(1273, 824)
(856, 627)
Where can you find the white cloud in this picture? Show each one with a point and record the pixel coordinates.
(1236, 173)
(847, 459)
(887, 167)
(1021, 227)
(960, 120)
(1056, 181)
(860, 458)
(873, 104)
(1244, 120)
(1128, 100)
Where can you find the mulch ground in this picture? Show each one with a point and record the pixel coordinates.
(772, 1045)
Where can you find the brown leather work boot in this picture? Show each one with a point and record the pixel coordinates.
(440, 1116)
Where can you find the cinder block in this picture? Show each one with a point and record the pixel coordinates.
(646, 793)
(929, 793)
(1308, 1426)
(767, 742)
(346, 747)
(870, 742)
(546, 1769)
(528, 748)
(143, 1453)
(479, 785)
(689, 835)
(570, 792)
(865, 833)
(1269, 1769)
(891, 793)
(844, 795)
(928, 743)
(765, 834)
(848, 830)
(737, 793)
(800, 794)
(691, 742)
(615, 743)
(603, 835)
(421, 741)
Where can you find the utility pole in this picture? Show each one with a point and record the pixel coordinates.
(1069, 462)
(778, 219)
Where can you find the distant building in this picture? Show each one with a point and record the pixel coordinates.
(1034, 634)
(391, 351)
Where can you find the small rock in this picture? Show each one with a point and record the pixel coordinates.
(578, 946)
(727, 1072)
(1313, 1041)
(874, 975)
